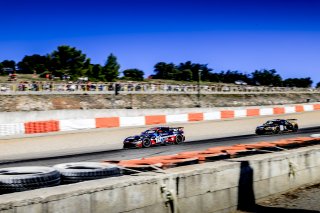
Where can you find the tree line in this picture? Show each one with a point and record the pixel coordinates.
(71, 62)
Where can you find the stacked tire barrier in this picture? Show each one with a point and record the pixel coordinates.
(17, 179)
(32, 127)
(12, 129)
(83, 171)
(41, 127)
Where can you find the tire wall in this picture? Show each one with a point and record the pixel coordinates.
(220, 186)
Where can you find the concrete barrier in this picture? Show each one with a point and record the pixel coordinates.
(221, 186)
(68, 120)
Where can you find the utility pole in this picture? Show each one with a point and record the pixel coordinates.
(199, 79)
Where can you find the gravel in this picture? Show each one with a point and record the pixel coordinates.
(304, 199)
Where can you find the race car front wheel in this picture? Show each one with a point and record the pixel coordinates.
(179, 139)
(258, 133)
(146, 143)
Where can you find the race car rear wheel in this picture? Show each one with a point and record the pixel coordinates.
(276, 130)
(179, 139)
(146, 143)
(295, 128)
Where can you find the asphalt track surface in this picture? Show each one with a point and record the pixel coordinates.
(96, 140)
(47, 150)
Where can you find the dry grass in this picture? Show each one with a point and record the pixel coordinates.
(21, 77)
(32, 77)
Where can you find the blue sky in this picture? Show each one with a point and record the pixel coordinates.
(242, 35)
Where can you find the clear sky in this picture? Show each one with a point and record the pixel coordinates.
(242, 35)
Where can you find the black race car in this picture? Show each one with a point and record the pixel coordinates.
(155, 136)
(276, 126)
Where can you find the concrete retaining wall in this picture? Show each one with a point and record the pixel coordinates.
(20, 117)
(221, 186)
(39, 101)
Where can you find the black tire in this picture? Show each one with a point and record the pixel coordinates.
(16, 179)
(82, 171)
(179, 139)
(295, 128)
(276, 130)
(146, 143)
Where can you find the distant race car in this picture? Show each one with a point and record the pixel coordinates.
(155, 136)
(276, 126)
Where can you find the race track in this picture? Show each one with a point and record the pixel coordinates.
(106, 144)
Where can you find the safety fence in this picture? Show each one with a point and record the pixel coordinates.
(52, 87)
(33, 127)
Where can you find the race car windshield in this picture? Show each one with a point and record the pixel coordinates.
(269, 123)
(149, 132)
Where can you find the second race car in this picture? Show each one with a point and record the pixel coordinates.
(155, 136)
(276, 126)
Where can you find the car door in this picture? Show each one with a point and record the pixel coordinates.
(282, 125)
(288, 125)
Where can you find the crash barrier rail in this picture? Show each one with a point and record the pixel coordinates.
(33, 127)
(17, 179)
(212, 154)
(51, 87)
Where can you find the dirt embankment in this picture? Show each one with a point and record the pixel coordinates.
(303, 199)
(11, 103)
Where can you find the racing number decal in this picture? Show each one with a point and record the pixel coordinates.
(281, 127)
(161, 138)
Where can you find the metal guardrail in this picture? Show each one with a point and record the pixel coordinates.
(141, 88)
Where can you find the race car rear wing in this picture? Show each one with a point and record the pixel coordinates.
(179, 129)
(292, 120)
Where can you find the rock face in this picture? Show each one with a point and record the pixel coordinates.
(12, 103)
